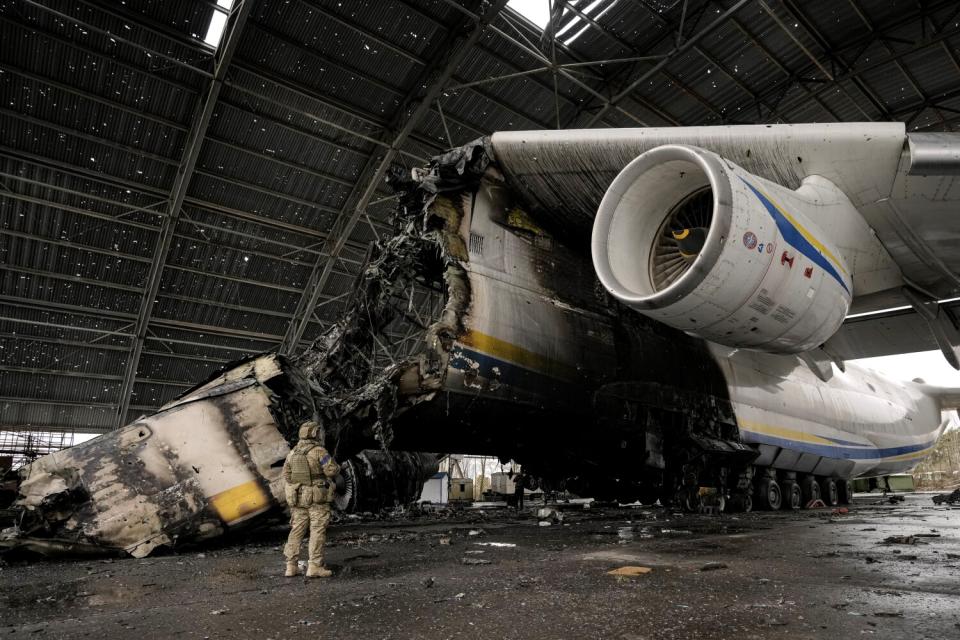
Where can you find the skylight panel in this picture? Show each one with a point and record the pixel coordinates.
(536, 11)
(595, 10)
(218, 21)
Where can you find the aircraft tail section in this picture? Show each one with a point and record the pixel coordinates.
(947, 397)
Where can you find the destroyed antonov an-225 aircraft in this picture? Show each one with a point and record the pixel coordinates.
(632, 314)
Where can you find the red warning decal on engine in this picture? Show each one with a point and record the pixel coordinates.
(786, 259)
(808, 272)
(750, 240)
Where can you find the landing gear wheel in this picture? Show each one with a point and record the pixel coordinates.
(740, 502)
(667, 496)
(828, 492)
(810, 490)
(648, 496)
(792, 496)
(769, 497)
(843, 492)
(689, 499)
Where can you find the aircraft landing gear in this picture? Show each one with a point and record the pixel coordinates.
(740, 502)
(688, 499)
(792, 496)
(769, 497)
(843, 491)
(809, 489)
(828, 492)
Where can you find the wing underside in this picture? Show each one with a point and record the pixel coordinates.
(906, 187)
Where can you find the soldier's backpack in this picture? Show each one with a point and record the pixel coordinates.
(299, 466)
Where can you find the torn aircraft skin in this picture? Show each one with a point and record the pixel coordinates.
(209, 462)
(481, 325)
(547, 354)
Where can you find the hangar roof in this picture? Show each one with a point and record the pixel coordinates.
(169, 205)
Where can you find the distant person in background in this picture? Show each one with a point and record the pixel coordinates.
(309, 487)
(518, 481)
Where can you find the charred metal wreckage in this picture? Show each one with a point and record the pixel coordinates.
(509, 346)
(210, 461)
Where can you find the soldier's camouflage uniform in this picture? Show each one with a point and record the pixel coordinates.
(308, 474)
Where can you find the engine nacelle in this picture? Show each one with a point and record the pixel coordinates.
(691, 239)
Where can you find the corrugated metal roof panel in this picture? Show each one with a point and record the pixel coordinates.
(259, 199)
(292, 133)
(37, 255)
(94, 156)
(46, 288)
(360, 54)
(72, 417)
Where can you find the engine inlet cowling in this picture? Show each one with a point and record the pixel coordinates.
(695, 241)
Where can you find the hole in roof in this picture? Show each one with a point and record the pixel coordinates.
(574, 21)
(536, 11)
(218, 21)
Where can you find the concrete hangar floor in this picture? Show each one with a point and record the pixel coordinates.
(496, 574)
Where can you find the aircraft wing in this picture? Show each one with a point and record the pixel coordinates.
(906, 186)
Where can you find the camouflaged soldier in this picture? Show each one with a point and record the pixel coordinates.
(308, 474)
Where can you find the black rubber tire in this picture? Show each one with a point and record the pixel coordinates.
(792, 496)
(739, 503)
(769, 496)
(689, 499)
(843, 491)
(828, 492)
(809, 489)
(667, 496)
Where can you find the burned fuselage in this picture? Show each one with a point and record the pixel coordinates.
(473, 328)
(205, 464)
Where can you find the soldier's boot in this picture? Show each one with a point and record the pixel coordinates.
(293, 569)
(318, 571)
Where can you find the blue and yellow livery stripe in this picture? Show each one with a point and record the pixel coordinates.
(514, 354)
(828, 447)
(516, 367)
(800, 238)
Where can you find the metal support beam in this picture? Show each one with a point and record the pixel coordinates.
(800, 18)
(118, 183)
(191, 152)
(342, 228)
(703, 53)
(683, 48)
(881, 31)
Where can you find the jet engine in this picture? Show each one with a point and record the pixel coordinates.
(689, 238)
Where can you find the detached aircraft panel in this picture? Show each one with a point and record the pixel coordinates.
(185, 472)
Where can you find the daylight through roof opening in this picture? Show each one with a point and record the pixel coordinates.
(218, 21)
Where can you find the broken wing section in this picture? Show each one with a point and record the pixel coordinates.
(207, 462)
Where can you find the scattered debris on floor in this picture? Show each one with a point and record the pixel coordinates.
(549, 514)
(629, 571)
(900, 540)
(713, 566)
(947, 498)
